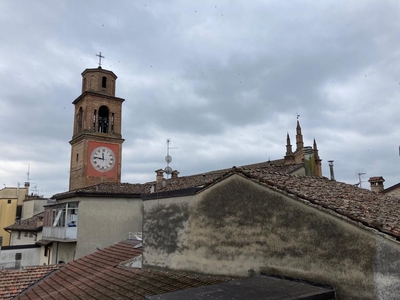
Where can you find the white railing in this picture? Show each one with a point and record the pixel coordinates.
(59, 233)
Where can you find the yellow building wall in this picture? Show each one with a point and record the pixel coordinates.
(8, 211)
(7, 217)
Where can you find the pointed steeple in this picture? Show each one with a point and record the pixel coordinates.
(289, 157)
(318, 160)
(299, 137)
(315, 149)
(288, 145)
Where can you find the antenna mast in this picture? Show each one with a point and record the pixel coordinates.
(359, 178)
(27, 174)
(168, 159)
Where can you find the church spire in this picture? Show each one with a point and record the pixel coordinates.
(288, 145)
(299, 137)
(289, 157)
(318, 160)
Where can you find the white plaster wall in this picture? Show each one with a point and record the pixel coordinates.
(15, 241)
(106, 221)
(30, 257)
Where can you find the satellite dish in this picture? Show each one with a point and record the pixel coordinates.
(168, 159)
(168, 170)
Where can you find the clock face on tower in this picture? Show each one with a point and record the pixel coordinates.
(102, 159)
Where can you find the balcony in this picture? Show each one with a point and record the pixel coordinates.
(60, 222)
(64, 234)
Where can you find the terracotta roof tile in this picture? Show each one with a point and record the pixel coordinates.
(34, 223)
(12, 282)
(171, 184)
(102, 275)
(371, 209)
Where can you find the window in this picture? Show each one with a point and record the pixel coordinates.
(19, 235)
(103, 119)
(9, 201)
(25, 233)
(94, 119)
(104, 82)
(77, 157)
(112, 122)
(80, 119)
(31, 234)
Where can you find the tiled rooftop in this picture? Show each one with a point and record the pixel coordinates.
(102, 275)
(371, 209)
(31, 224)
(172, 183)
(12, 282)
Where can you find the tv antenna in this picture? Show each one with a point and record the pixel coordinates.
(27, 174)
(359, 178)
(168, 159)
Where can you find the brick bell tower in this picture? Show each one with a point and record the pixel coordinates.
(96, 144)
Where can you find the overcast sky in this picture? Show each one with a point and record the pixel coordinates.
(224, 80)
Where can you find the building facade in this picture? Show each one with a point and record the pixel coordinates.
(11, 203)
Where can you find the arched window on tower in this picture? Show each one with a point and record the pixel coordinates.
(80, 119)
(94, 119)
(103, 119)
(104, 82)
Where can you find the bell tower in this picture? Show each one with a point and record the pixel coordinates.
(96, 144)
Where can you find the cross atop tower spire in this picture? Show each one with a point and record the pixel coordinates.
(100, 57)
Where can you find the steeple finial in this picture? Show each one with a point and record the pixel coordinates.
(100, 57)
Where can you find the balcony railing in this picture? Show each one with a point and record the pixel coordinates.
(59, 233)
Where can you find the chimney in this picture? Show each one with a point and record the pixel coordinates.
(175, 174)
(18, 257)
(376, 184)
(160, 175)
(331, 169)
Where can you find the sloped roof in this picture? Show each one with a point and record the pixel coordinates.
(12, 282)
(103, 275)
(371, 209)
(171, 184)
(391, 188)
(35, 223)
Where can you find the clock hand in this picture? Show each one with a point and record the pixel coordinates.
(97, 157)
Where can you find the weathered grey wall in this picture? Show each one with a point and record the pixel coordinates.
(30, 257)
(62, 252)
(239, 225)
(103, 222)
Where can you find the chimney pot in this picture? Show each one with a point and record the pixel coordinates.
(175, 174)
(376, 184)
(160, 175)
(331, 169)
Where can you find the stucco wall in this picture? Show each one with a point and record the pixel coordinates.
(394, 193)
(30, 257)
(24, 240)
(62, 252)
(7, 218)
(103, 222)
(239, 225)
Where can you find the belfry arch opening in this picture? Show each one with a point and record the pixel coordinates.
(103, 119)
(104, 82)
